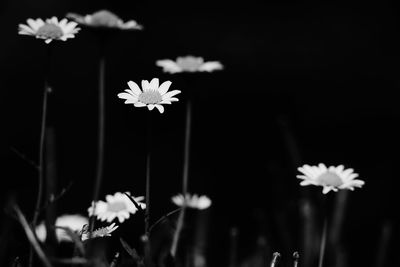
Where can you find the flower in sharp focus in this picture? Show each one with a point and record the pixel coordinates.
(101, 232)
(50, 29)
(192, 201)
(188, 64)
(73, 222)
(332, 178)
(152, 96)
(105, 19)
(116, 206)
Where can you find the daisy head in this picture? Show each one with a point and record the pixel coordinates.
(152, 95)
(74, 222)
(332, 178)
(188, 64)
(105, 19)
(192, 201)
(116, 206)
(50, 29)
(101, 232)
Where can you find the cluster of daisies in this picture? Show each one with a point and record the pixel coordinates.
(115, 209)
(152, 95)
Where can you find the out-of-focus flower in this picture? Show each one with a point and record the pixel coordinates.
(332, 178)
(104, 19)
(116, 206)
(192, 201)
(74, 222)
(153, 94)
(101, 232)
(50, 29)
(188, 64)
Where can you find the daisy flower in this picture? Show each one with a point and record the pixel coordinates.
(192, 201)
(50, 29)
(101, 232)
(105, 19)
(116, 206)
(188, 64)
(332, 178)
(153, 94)
(74, 222)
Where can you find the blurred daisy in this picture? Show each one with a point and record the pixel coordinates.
(49, 30)
(101, 232)
(153, 94)
(116, 206)
(332, 178)
(188, 64)
(192, 201)
(73, 222)
(105, 19)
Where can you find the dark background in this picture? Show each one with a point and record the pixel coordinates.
(304, 82)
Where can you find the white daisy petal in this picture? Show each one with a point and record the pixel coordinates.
(134, 87)
(160, 108)
(164, 87)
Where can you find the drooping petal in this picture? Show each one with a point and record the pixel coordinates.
(160, 108)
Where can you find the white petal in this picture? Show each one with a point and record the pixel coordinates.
(160, 108)
(139, 104)
(154, 83)
(150, 106)
(134, 87)
(145, 85)
(164, 87)
(168, 65)
(211, 66)
(326, 189)
(170, 94)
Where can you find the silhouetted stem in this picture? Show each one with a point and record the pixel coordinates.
(31, 237)
(323, 244)
(100, 140)
(233, 246)
(185, 176)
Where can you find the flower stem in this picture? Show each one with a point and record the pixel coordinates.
(41, 169)
(101, 134)
(148, 164)
(185, 176)
(323, 243)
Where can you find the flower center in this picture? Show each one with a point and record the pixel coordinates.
(189, 63)
(150, 97)
(105, 18)
(330, 179)
(116, 206)
(49, 31)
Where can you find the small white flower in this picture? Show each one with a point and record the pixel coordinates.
(332, 178)
(101, 232)
(49, 30)
(188, 64)
(116, 206)
(73, 222)
(105, 19)
(152, 96)
(192, 201)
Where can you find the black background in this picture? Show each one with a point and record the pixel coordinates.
(304, 82)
